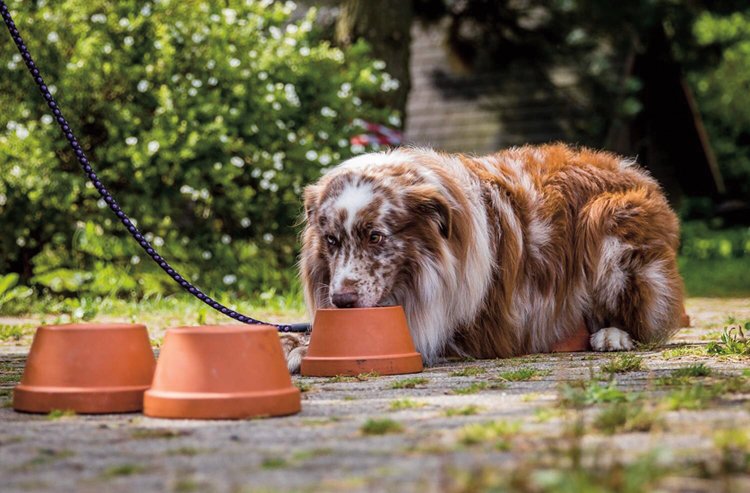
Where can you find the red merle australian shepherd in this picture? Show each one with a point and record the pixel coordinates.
(495, 256)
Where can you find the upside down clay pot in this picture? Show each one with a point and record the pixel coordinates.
(351, 341)
(87, 368)
(221, 372)
(577, 341)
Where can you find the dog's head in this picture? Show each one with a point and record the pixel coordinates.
(369, 226)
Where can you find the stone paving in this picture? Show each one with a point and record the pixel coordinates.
(572, 422)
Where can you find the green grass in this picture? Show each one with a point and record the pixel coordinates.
(304, 386)
(685, 375)
(273, 463)
(732, 342)
(469, 410)
(56, 414)
(401, 404)
(470, 389)
(622, 417)
(123, 470)
(497, 432)
(683, 351)
(381, 427)
(716, 278)
(523, 374)
(409, 383)
(623, 363)
(469, 371)
(578, 395)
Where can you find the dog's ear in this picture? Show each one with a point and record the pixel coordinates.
(428, 202)
(311, 198)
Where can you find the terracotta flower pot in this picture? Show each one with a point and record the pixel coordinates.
(87, 368)
(221, 372)
(361, 340)
(578, 341)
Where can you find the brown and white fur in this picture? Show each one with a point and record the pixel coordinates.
(496, 256)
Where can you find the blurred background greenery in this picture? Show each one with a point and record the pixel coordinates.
(205, 120)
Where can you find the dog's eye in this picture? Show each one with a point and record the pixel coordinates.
(332, 240)
(376, 237)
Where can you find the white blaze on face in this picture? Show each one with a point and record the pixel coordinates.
(354, 197)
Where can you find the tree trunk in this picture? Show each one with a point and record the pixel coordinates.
(385, 25)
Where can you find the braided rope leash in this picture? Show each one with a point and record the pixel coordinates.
(111, 202)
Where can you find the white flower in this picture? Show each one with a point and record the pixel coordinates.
(211, 64)
(128, 40)
(394, 120)
(268, 237)
(135, 260)
(323, 135)
(153, 147)
(52, 37)
(245, 222)
(230, 15)
(357, 149)
(291, 137)
(131, 141)
(4, 199)
(206, 255)
(226, 239)
(124, 22)
(107, 48)
(142, 86)
(197, 83)
(311, 155)
(234, 62)
(325, 159)
(146, 10)
(192, 91)
(229, 279)
(212, 81)
(217, 166)
(327, 112)
(159, 241)
(99, 18)
(158, 45)
(237, 161)
(22, 132)
(21, 241)
(262, 75)
(304, 51)
(101, 203)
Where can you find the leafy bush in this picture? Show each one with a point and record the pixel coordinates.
(205, 122)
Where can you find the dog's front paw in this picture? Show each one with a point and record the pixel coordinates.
(611, 339)
(295, 348)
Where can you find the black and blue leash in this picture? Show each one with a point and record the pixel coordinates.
(111, 202)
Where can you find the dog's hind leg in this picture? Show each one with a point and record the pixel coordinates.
(635, 288)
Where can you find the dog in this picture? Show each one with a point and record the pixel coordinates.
(495, 256)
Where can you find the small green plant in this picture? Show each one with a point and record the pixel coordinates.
(12, 332)
(381, 427)
(303, 386)
(623, 363)
(684, 375)
(690, 397)
(469, 410)
(732, 342)
(400, 404)
(123, 470)
(683, 351)
(493, 431)
(469, 371)
(56, 414)
(409, 383)
(624, 417)
(273, 463)
(523, 374)
(470, 389)
(581, 394)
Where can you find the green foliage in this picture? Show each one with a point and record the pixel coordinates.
(624, 417)
(623, 363)
(205, 120)
(380, 427)
(493, 431)
(581, 394)
(469, 371)
(523, 374)
(722, 92)
(401, 404)
(9, 292)
(409, 383)
(732, 342)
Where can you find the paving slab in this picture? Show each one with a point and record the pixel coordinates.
(458, 426)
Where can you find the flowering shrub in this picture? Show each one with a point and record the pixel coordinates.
(204, 121)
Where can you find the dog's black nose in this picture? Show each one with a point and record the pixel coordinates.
(346, 299)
